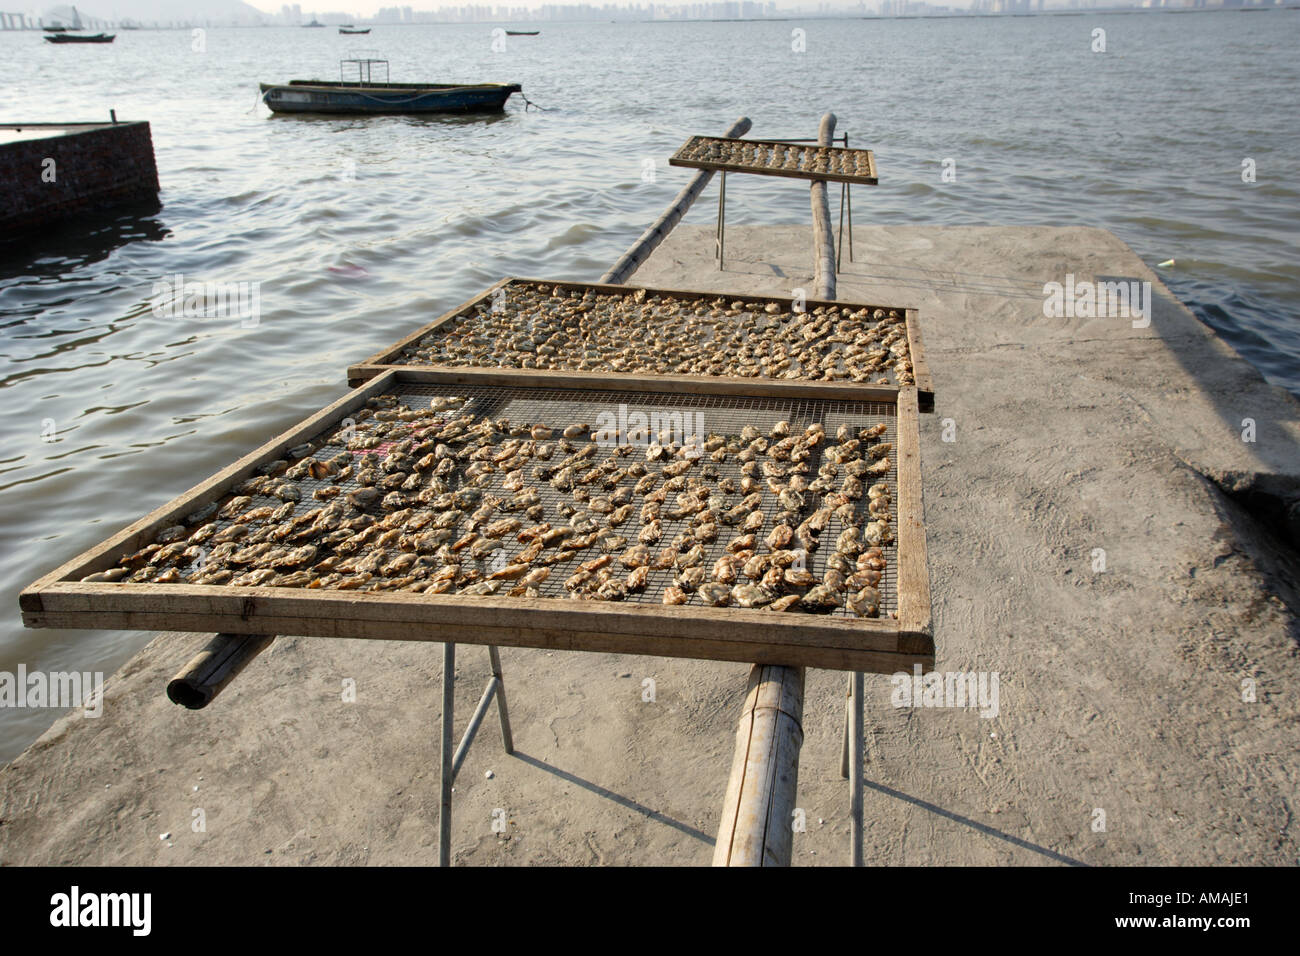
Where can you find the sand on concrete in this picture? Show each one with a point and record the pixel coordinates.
(1120, 691)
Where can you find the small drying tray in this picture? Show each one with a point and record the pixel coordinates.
(772, 158)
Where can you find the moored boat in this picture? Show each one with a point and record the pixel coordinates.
(320, 96)
(80, 38)
(353, 31)
(365, 96)
(522, 33)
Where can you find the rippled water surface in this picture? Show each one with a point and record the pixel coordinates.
(359, 230)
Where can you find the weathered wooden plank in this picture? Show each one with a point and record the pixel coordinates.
(913, 572)
(406, 612)
(734, 648)
(920, 367)
(635, 382)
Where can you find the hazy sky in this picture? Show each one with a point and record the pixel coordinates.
(163, 10)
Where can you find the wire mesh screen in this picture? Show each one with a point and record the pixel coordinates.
(349, 508)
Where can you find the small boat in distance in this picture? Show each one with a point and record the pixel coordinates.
(80, 38)
(313, 24)
(55, 29)
(352, 31)
(364, 95)
(522, 33)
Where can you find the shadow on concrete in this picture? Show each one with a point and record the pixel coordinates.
(967, 283)
(974, 824)
(621, 800)
(1237, 391)
(1221, 378)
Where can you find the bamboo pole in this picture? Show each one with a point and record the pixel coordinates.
(640, 250)
(823, 237)
(757, 827)
(757, 813)
(210, 670)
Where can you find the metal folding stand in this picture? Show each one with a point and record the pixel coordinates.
(721, 236)
(845, 197)
(451, 762)
(846, 201)
(851, 762)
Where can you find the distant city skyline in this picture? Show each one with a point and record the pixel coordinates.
(379, 12)
(387, 11)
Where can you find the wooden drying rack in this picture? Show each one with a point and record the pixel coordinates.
(62, 599)
(764, 169)
(391, 356)
(680, 158)
(245, 618)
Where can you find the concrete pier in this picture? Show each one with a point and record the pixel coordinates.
(1101, 539)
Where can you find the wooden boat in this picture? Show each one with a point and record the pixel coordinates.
(320, 96)
(350, 31)
(522, 33)
(80, 38)
(364, 96)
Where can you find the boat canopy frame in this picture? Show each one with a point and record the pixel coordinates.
(366, 62)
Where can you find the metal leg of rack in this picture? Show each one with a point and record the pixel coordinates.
(851, 762)
(721, 238)
(846, 202)
(452, 760)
